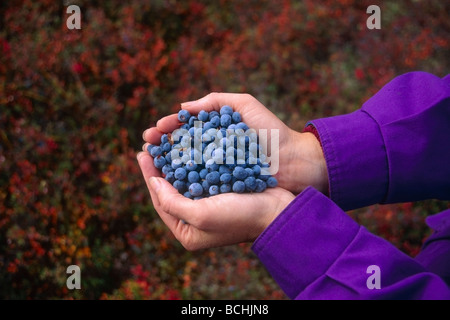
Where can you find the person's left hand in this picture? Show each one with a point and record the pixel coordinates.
(220, 220)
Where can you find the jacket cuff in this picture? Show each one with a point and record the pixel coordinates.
(356, 159)
(301, 230)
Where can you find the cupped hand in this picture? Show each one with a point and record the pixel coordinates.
(221, 220)
(301, 160)
(232, 218)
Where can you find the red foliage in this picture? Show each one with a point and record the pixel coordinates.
(73, 104)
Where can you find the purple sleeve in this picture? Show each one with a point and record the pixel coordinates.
(394, 149)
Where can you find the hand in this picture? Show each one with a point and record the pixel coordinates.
(301, 160)
(222, 220)
(216, 221)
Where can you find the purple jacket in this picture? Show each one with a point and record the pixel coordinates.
(396, 148)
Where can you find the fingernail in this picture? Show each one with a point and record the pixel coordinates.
(154, 183)
(143, 134)
(139, 155)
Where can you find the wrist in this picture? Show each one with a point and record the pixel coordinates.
(316, 155)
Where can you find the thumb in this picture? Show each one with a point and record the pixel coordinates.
(169, 200)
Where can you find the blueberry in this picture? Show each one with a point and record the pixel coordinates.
(166, 147)
(250, 172)
(224, 188)
(195, 189)
(205, 186)
(203, 173)
(272, 182)
(253, 148)
(240, 154)
(239, 173)
(203, 116)
(170, 177)
(230, 163)
(225, 120)
(192, 120)
(207, 126)
(251, 161)
(256, 170)
(213, 177)
(149, 148)
(224, 169)
(211, 165)
(187, 194)
(176, 163)
(239, 187)
(223, 132)
(215, 121)
(164, 138)
(156, 151)
(193, 176)
(243, 141)
(260, 185)
(242, 125)
(185, 141)
(185, 127)
(166, 169)
(183, 116)
(236, 117)
(180, 174)
(191, 165)
(159, 162)
(219, 156)
(213, 114)
(226, 110)
(225, 178)
(213, 190)
(179, 185)
(185, 158)
(250, 183)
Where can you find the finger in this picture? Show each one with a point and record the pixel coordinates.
(152, 135)
(174, 203)
(145, 162)
(168, 123)
(259, 116)
(214, 101)
(148, 171)
(169, 220)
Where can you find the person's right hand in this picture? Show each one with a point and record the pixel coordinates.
(301, 160)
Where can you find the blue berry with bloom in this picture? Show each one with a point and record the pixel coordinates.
(183, 116)
(239, 187)
(226, 110)
(213, 190)
(196, 189)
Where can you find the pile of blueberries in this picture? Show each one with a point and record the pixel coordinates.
(212, 153)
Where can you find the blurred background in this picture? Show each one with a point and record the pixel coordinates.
(74, 103)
